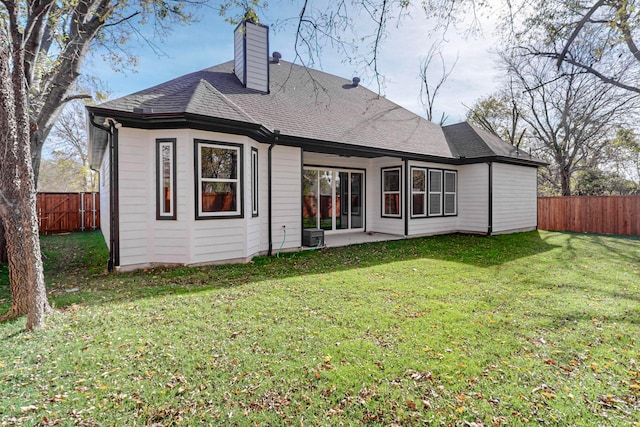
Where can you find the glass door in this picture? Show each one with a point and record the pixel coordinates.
(333, 199)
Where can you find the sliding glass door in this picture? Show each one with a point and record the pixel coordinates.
(333, 199)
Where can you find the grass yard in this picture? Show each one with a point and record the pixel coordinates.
(536, 328)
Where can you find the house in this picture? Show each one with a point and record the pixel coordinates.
(258, 155)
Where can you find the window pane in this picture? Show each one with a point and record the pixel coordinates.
(219, 163)
(392, 204)
(219, 197)
(449, 203)
(391, 180)
(435, 181)
(254, 182)
(310, 199)
(418, 204)
(166, 179)
(450, 182)
(418, 180)
(434, 204)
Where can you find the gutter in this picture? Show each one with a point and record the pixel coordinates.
(114, 206)
(276, 136)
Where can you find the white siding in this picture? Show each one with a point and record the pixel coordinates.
(378, 223)
(134, 164)
(514, 198)
(105, 207)
(257, 56)
(238, 39)
(286, 197)
(473, 198)
(251, 56)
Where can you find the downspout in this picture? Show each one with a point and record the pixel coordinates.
(490, 224)
(114, 235)
(276, 134)
(407, 194)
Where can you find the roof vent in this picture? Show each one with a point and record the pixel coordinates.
(276, 57)
(356, 81)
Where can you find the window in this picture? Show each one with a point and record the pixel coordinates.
(450, 193)
(165, 179)
(418, 192)
(218, 176)
(254, 182)
(435, 192)
(391, 192)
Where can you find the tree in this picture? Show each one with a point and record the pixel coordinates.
(68, 169)
(598, 37)
(500, 115)
(572, 116)
(42, 46)
(429, 88)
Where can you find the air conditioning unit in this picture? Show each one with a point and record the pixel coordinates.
(312, 237)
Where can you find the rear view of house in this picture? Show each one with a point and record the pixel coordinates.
(258, 154)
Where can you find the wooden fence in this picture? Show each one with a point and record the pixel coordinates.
(590, 214)
(66, 212)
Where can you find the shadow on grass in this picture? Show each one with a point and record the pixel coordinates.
(76, 274)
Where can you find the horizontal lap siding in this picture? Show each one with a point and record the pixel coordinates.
(135, 194)
(514, 198)
(378, 223)
(286, 197)
(105, 206)
(473, 198)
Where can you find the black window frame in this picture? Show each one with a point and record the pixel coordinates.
(238, 213)
(255, 188)
(382, 192)
(160, 215)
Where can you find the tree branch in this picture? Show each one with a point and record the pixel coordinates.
(577, 30)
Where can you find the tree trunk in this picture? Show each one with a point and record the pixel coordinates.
(17, 192)
(565, 181)
(3, 246)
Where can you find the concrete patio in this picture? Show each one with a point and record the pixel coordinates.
(354, 238)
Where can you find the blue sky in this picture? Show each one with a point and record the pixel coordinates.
(210, 42)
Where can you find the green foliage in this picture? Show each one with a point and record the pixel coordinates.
(527, 329)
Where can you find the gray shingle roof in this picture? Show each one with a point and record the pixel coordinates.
(469, 141)
(311, 105)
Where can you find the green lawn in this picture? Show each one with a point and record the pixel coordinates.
(536, 328)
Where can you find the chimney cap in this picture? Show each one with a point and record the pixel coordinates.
(356, 81)
(276, 57)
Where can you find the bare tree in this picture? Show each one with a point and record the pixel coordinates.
(571, 117)
(598, 37)
(500, 115)
(68, 143)
(430, 88)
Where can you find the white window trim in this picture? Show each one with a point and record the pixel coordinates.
(237, 213)
(454, 193)
(434, 193)
(398, 192)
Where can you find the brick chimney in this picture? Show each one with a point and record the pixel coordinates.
(251, 55)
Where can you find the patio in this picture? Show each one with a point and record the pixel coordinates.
(346, 239)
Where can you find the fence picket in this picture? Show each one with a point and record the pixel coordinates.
(66, 212)
(590, 214)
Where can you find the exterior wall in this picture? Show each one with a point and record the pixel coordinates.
(286, 197)
(473, 198)
(435, 224)
(252, 64)
(135, 194)
(105, 206)
(146, 241)
(514, 198)
(380, 224)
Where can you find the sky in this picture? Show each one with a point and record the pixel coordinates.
(210, 42)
